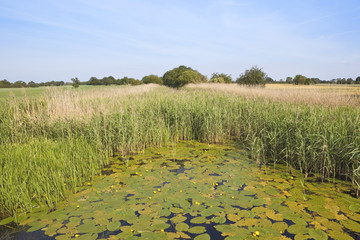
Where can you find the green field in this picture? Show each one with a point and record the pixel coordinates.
(6, 93)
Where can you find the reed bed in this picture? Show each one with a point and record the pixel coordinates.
(324, 95)
(60, 140)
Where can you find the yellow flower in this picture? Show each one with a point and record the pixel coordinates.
(159, 190)
(112, 186)
(162, 230)
(154, 191)
(77, 206)
(77, 235)
(257, 233)
(180, 190)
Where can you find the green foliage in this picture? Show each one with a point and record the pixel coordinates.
(220, 78)
(76, 82)
(289, 80)
(5, 84)
(252, 77)
(152, 79)
(357, 81)
(135, 82)
(181, 76)
(301, 80)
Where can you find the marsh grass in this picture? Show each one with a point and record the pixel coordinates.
(59, 141)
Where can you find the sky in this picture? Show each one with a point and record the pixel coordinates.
(52, 40)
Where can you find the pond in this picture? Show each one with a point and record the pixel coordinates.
(196, 191)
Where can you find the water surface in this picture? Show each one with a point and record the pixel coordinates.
(196, 191)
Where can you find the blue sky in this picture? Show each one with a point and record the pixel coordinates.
(44, 40)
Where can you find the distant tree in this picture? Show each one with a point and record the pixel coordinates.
(108, 81)
(33, 84)
(300, 80)
(349, 81)
(220, 78)
(269, 80)
(314, 80)
(134, 82)
(19, 84)
(357, 81)
(94, 81)
(5, 84)
(252, 77)
(124, 81)
(341, 81)
(76, 82)
(152, 79)
(289, 80)
(182, 75)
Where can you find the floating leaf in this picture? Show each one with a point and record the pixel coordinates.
(197, 230)
(318, 234)
(88, 237)
(352, 207)
(198, 220)
(113, 226)
(202, 237)
(296, 229)
(178, 219)
(181, 227)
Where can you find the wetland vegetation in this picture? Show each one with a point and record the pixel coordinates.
(57, 143)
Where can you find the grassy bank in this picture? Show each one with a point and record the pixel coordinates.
(59, 140)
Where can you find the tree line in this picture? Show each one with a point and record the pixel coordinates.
(183, 75)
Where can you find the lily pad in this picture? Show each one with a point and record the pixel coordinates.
(318, 234)
(197, 230)
(181, 227)
(202, 237)
(113, 226)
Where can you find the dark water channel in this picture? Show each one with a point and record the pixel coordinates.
(196, 191)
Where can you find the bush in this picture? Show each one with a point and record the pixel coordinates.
(182, 75)
(254, 76)
(220, 78)
(152, 79)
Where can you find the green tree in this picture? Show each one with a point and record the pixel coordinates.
(269, 80)
(94, 81)
(357, 80)
(299, 80)
(289, 80)
(349, 81)
(76, 82)
(134, 82)
(5, 84)
(182, 75)
(19, 84)
(220, 78)
(152, 79)
(252, 77)
(124, 81)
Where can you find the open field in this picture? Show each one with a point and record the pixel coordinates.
(61, 140)
(6, 93)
